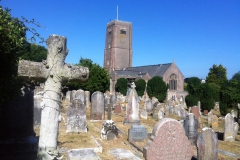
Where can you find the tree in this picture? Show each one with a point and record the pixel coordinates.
(98, 78)
(217, 74)
(236, 77)
(33, 52)
(191, 100)
(121, 86)
(156, 87)
(194, 87)
(140, 86)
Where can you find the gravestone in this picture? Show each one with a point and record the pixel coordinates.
(16, 121)
(235, 129)
(168, 141)
(210, 115)
(97, 108)
(123, 154)
(160, 114)
(82, 154)
(207, 145)
(191, 128)
(137, 133)
(144, 113)
(109, 130)
(67, 99)
(214, 121)
(76, 117)
(38, 95)
(117, 108)
(195, 110)
(149, 105)
(72, 95)
(183, 113)
(87, 96)
(233, 113)
(80, 95)
(132, 108)
(229, 128)
(167, 110)
(54, 72)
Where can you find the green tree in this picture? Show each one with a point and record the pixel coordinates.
(156, 87)
(140, 86)
(191, 100)
(121, 86)
(207, 104)
(217, 74)
(236, 77)
(33, 52)
(98, 78)
(12, 35)
(194, 87)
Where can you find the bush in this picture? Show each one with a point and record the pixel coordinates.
(156, 87)
(140, 87)
(121, 86)
(191, 101)
(223, 108)
(207, 104)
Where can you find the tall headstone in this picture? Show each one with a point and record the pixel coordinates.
(97, 109)
(76, 117)
(80, 95)
(207, 144)
(132, 109)
(168, 141)
(87, 96)
(229, 128)
(54, 71)
(214, 121)
(191, 127)
(210, 115)
(195, 110)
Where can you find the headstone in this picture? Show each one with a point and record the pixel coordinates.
(76, 117)
(119, 153)
(229, 128)
(87, 96)
(195, 110)
(191, 128)
(167, 111)
(109, 130)
(207, 144)
(168, 141)
(67, 99)
(72, 95)
(160, 114)
(183, 113)
(233, 113)
(144, 113)
(132, 108)
(80, 95)
(214, 121)
(149, 105)
(210, 115)
(97, 108)
(235, 129)
(137, 133)
(82, 154)
(38, 96)
(117, 108)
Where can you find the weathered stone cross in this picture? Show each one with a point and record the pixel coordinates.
(54, 71)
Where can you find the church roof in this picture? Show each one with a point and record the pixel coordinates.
(152, 70)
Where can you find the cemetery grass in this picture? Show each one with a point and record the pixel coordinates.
(67, 141)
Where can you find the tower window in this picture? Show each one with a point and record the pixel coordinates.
(123, 31)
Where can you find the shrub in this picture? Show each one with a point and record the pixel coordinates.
(140, 87)
(156, 87)
(191, 100)
(223, 108)
(207, 104)
(121, 86)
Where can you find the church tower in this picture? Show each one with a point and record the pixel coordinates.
(118, 45)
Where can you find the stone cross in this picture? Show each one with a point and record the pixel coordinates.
(54, 72)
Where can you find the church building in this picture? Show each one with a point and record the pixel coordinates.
(118, 61)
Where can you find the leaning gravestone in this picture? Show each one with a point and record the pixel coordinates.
(191, 127)
(54, 72)
(137, 133)
(207, 144)
(168, 141)
(76, 117)
(132, 109)
(97, 108)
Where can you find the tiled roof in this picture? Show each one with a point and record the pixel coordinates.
(152, 70)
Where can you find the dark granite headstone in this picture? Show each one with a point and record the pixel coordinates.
(137, 133)
(207, 144)
(97, 108)
(168, 141)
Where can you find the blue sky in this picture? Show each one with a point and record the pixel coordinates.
(195, 33)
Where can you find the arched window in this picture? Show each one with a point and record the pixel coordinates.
(173, 82)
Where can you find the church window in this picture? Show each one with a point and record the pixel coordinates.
(173, 82)
(123, 31)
